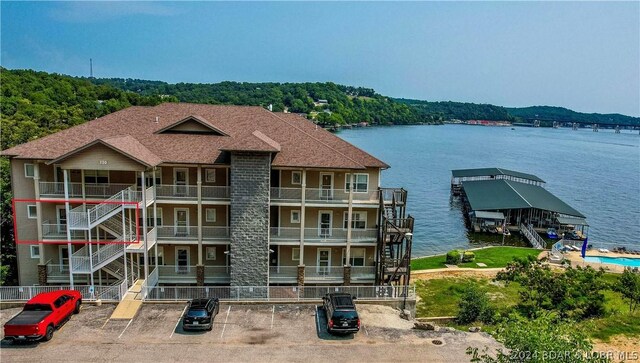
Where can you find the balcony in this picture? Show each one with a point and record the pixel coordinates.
(187, 274)
(190, 233)
(323, 274)
(331, 235)
(98, 191)
(323, 196)
(283, 274)
(360, 273)
(177, 192)
(58, 232)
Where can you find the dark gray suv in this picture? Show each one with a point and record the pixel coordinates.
(200, 314)
(342, 316)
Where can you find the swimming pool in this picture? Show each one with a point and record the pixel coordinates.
(629, 262)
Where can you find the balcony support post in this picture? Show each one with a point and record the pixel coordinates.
(199, 187)
(90, 257)
(349, 221)
(36, 185)
(124, 232)
(144, 224)
(155, 217)
(65, 173)
(302, 222)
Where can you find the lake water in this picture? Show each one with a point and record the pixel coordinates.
(598, 173)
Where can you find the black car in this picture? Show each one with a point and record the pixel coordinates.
(342, 316)
(200, 314)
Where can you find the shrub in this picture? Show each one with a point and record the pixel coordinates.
(468, 256)
(474, 306)
(453, 257)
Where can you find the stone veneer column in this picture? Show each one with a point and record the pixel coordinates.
(42, 274)
(200, 275)
(346, 274)
(300, 275)
(250, 196)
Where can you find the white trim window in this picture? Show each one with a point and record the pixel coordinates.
(360, 184)
(150, 217)
(96, 176)
(148, 178)
(295, 216)
(296, 177)
(29, 171)
(211, 254)
(357, 256)
(210, 214)
(209, 175)
(295, 254)
(358, 220)
(160, 255)
(32, 211)
(35, 251)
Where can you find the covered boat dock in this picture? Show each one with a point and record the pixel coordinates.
(462, 175)
(505, 199)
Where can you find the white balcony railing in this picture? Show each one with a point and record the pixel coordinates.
(59, 231)
(217, 272)
(363, 272)
(338, 196)
(82, 262)
(176, 272)
(283, 273)
(216, 193)
(209, 232)
(56, 189)
(323, 234)
(286, 194)
(174, 191)
(323, 272)
(191, 232)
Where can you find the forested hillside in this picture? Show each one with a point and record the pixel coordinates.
(345, 104)
(548, 113)
(460, 111)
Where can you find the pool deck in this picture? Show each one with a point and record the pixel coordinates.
(576, 260)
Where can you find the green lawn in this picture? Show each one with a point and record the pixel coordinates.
(492, 257)
(439, 297)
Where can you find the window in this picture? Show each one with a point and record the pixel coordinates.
(211, 253)
(360, 185)
(210, 175)
(295, 254)
(357, 256)
(358, 220)
(148, 178)
(29, 171)
(35, 251)
(295, 216)
(210, 214)
(150, 217)
(296, 177)
(96, 176)
(160, 255)
(32, 212)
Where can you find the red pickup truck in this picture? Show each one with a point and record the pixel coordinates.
(42, 315)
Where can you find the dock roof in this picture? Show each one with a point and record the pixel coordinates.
(462, 173)
(500, 194)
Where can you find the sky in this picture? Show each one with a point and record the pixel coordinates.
(580, 55)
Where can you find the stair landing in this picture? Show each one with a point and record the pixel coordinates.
(128, 308)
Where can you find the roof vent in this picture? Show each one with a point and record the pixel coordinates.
(271, 107)
(157, 118)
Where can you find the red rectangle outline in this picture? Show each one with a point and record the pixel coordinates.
(71, 201)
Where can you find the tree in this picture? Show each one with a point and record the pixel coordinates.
(474, 306)
(539, 340)
(628, 285)
(573, 294)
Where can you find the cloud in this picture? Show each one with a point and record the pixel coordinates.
(85, 12)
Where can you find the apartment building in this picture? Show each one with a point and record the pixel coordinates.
(189, 194)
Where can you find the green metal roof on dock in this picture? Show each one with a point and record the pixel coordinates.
(466, 173)
(487, 195)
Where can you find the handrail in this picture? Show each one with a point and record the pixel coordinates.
(533, 236)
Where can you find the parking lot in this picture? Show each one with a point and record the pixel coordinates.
(241, 333)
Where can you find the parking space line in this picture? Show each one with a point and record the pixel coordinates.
(273, 311)
(178, 322)
(105, 323)
(125, 328)
(225, 322)
(365, 329)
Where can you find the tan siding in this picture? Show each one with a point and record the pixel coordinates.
(221, 215)
(170, 254)
(221, 176)
(92, 157)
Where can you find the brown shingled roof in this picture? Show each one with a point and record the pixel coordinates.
(133, 131)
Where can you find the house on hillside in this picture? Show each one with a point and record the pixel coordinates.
(189, 194)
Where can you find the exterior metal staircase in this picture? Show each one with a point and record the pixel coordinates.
(532, 236)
